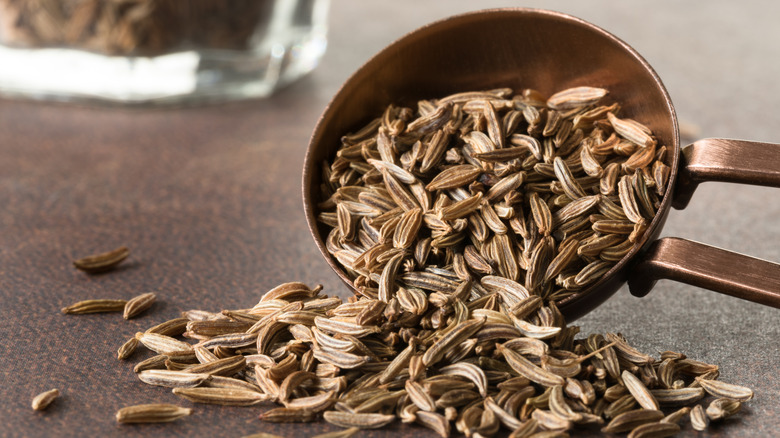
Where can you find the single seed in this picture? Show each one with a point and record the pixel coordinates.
(172, 379)
(361, 421)
(629, 420)
(727, 390)
(640, 392)
(127, 349)
(151, 413)
(576, 97)
(344, 433)
(676, 416)
(699, 419)
(94, 306)
(44, 399)
(163, 344)
(655, 430)
(137, 305)
(102, 262)
(722, 408)
(221, 396)
(285, 415)
(678, 396)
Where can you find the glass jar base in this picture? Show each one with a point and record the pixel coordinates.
(182, 77)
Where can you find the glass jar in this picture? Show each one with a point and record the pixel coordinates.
(157, 51)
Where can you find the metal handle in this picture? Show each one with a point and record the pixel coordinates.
(709, 267)
(706, 266)
(718, 159)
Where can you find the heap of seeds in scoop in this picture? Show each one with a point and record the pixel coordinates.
(522, 195)
(462, 222)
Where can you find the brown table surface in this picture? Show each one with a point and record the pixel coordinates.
(208, 199)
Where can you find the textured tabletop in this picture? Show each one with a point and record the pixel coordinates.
(208, 200)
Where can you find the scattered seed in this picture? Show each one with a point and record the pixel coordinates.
(172, 379)
(360, 421)
(222, 396)
(285, 415)
(44, 399)
(727, 390)
(102, 262)
(94, 306)
(151, 413)
(344, 433)
(137, 305)
(699, 419)
(127, 349)
(628, 421)
(655, 430)
(722, 408)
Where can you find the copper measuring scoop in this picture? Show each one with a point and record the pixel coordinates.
(551, 51)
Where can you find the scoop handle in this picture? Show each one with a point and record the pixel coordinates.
(701, 265)
(709, 267)
(725, 160)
